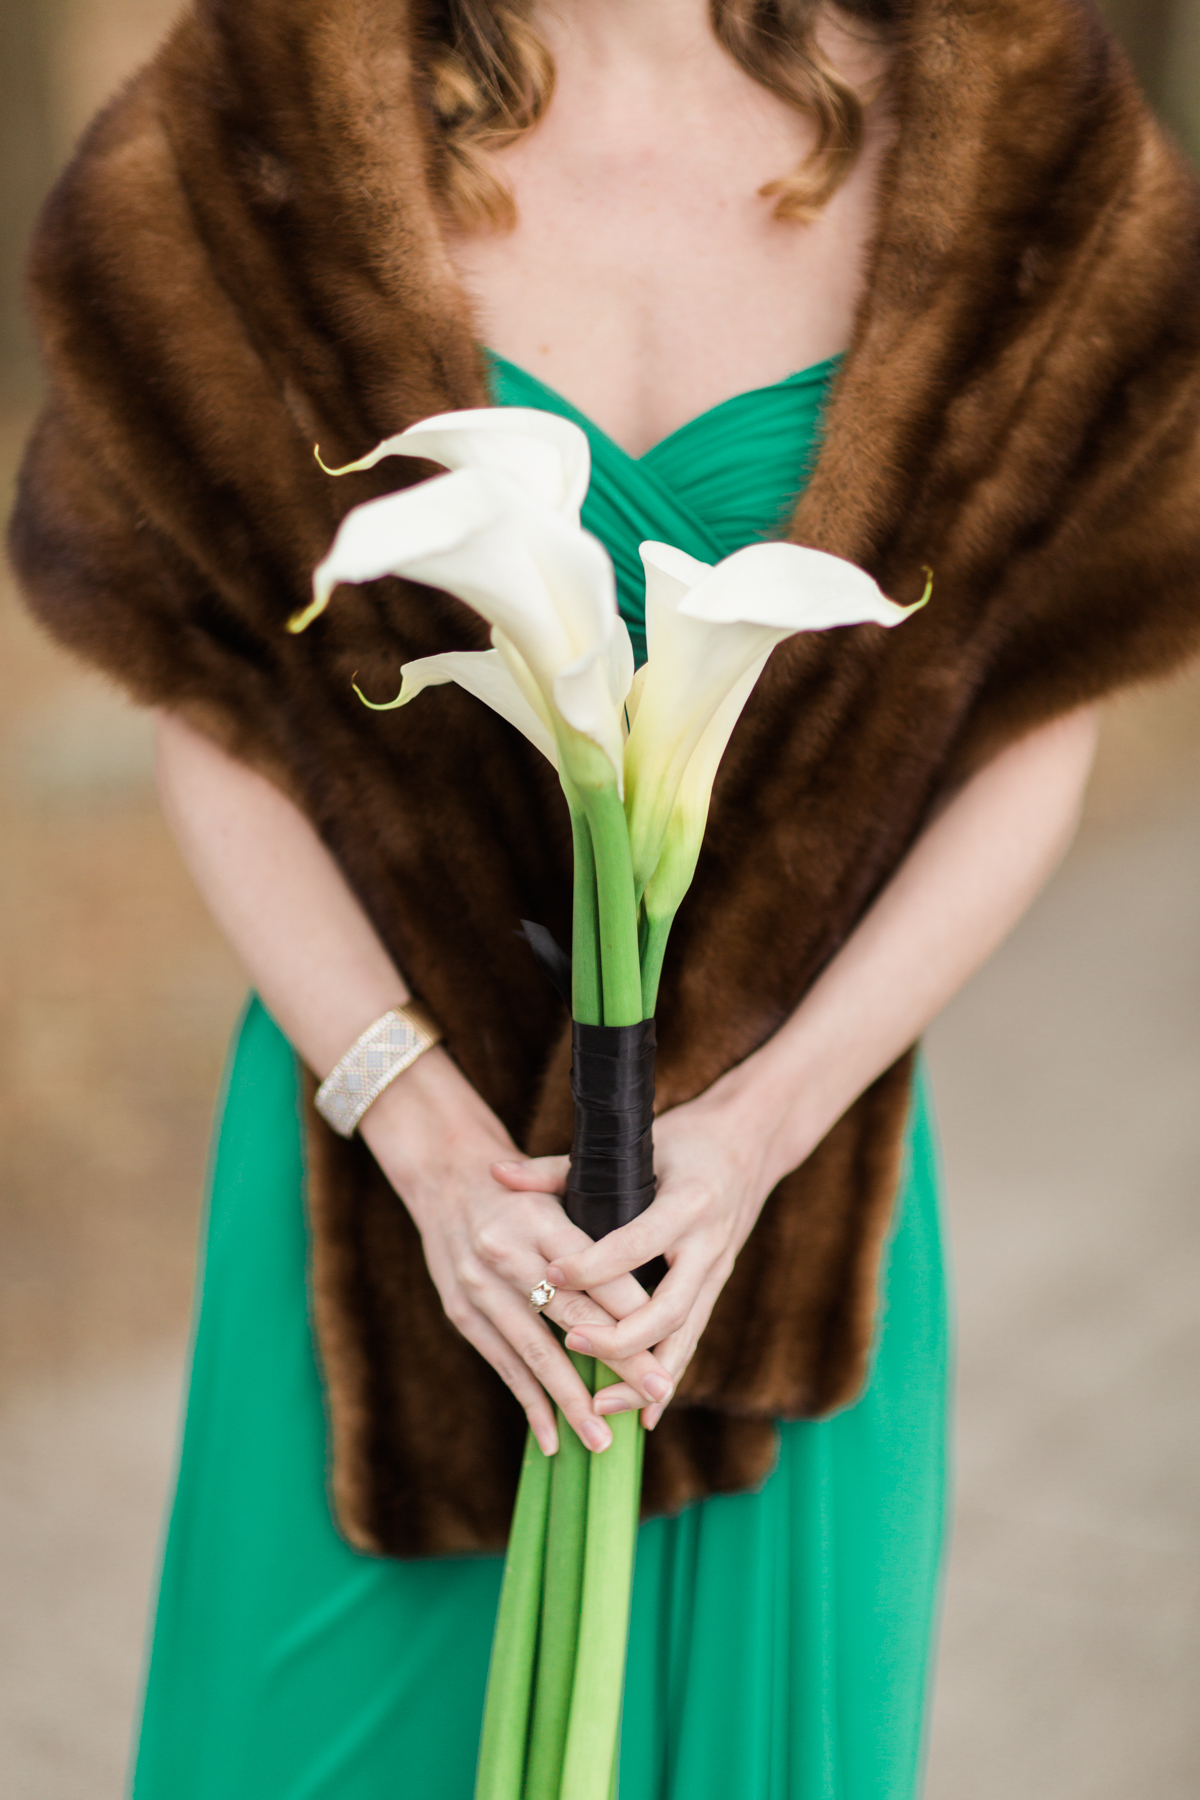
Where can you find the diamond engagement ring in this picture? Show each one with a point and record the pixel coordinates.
(541, 1295)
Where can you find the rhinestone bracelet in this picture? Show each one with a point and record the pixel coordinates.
(385, 1049)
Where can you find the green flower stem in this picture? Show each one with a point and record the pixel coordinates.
(620, 967)
(636, 1485)
(560, 1607)
(604, 1610)
(587, 1003)
(510, 1675)
(637, 1479)
(656, 929)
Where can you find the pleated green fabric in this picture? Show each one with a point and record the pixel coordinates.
(727, 478)
(780, 1641)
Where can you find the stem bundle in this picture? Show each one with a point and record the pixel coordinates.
(592, 1748)
(502, 1746)
(553, 1711)
(563, 1584)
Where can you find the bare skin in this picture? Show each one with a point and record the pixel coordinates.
(647, 282)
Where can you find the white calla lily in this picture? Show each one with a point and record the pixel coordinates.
(544, 585)
(502, 532)
(548, 456)
(710, 630)
(486, 675)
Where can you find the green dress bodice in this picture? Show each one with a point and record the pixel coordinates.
(723, 480)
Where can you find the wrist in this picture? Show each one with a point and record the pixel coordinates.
(427, 1121)
(771, 1110)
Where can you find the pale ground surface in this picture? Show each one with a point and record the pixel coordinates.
(1066, 1079)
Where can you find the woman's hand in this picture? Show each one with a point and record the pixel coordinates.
(714, 1174)
(488, 1245)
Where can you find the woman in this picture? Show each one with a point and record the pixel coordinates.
(953, 251)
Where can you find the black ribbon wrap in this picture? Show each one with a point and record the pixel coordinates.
(611, 1178)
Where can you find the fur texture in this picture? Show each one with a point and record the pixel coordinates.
(246, 258)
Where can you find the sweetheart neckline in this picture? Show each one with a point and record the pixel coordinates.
(813, 375)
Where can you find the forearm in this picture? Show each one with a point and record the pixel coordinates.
(324, 975)
(277, 895)
(968, 879)
(308, 946)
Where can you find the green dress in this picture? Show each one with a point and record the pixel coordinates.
(780, 1641)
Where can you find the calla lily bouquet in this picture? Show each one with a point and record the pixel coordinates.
(636, 754)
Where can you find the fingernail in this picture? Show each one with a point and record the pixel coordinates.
(596, 1435)
(657, 1386)
(652, 1417)
(506, 1165)
(554, 1276)
(575, 1340)
(605, 1404)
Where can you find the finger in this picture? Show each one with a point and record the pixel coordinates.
(663, 1314)
(534, 1174)
(515, 1375)
(629, 1247)
(562, 1239)
(504, 1251)
(501, 1248)
(644, 1371)
(522, 1234)
(678, 1350)
(620, 1397)
(620, 1297)
(538, 1349)
(518, 1246)
(675, 1352)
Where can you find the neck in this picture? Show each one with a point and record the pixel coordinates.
(659, 32)
(670, 44)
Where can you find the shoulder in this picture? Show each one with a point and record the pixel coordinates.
(267, 176)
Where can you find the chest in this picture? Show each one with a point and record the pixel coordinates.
(647, 278)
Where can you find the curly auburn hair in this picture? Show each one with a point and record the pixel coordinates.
(492, 79)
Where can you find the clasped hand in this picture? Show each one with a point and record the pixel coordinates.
(493, 1226)
(712, 1182)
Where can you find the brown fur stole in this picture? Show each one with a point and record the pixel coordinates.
(246, 258)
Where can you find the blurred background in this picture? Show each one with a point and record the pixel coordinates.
(1068, 1077)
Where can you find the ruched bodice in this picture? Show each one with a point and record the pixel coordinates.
(727, 478)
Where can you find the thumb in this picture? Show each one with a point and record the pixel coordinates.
(534, 1174)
